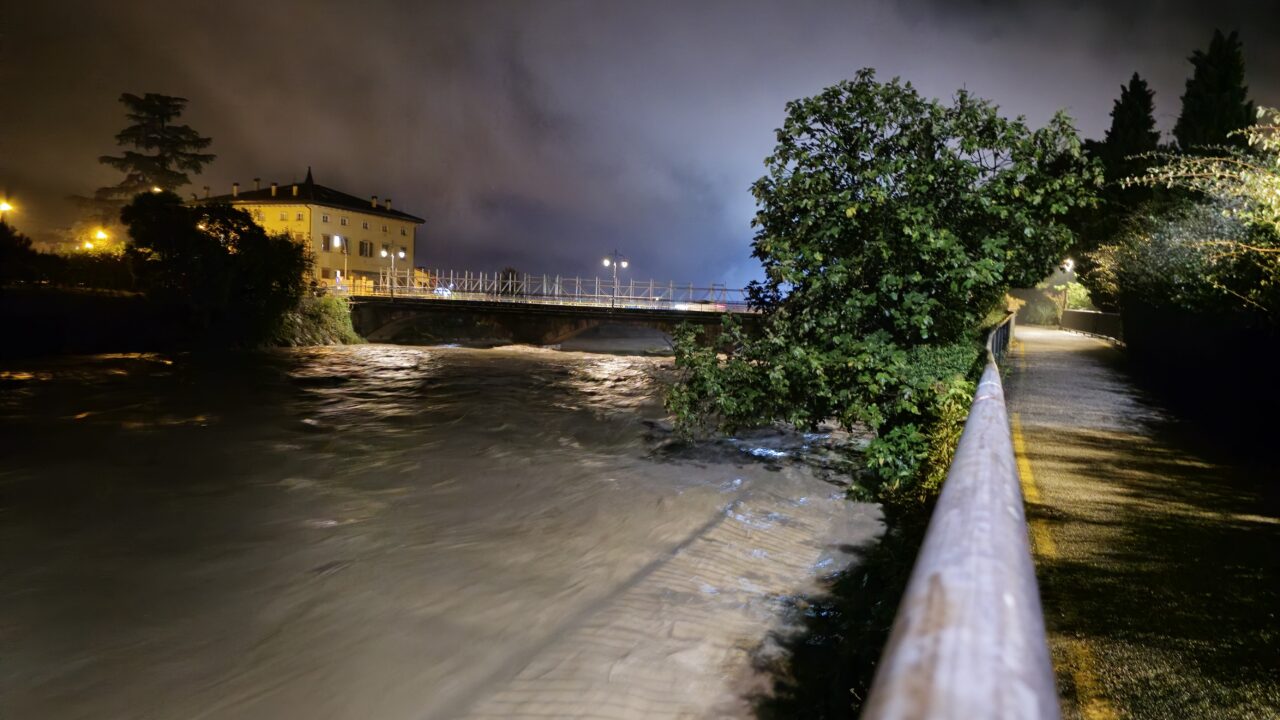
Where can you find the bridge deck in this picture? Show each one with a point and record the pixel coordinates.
(1157, 563)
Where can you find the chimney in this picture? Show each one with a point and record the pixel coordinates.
(388, 203)
(373, 201)
(295, 190)
(273, 189)
(235, 189)
(206, 191)
(257, 183)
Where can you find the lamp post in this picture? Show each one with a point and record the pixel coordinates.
(393, 256)
(615, 261)
(342, 245)
(4, 208)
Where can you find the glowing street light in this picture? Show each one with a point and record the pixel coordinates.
(101, 234)
(4, 208)
(615, 261)
(156, 189)
(393, 256)
(88, 245)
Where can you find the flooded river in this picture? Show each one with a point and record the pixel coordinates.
(390, 532)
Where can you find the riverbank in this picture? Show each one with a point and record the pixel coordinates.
(42, 320)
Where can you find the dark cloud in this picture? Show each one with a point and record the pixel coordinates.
(543, 135)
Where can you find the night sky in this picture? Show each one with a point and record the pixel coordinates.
(544, 134)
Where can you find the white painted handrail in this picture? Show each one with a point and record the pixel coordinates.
(969, 639)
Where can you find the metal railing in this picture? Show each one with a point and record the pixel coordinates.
(548, 290)
(969, 639)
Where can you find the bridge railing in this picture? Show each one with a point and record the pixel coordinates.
(969, 639)
(551, 290)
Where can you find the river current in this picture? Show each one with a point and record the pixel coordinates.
(392, 532)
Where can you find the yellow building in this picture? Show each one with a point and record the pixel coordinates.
(346, 234)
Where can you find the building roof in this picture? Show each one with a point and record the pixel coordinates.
(311, 192)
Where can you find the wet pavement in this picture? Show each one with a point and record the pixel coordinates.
(1157, 555)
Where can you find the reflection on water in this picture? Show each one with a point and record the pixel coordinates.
(388, 532)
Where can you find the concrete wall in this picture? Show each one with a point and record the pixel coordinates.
(1094, 323)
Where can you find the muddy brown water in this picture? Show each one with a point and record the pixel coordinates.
(392, 532)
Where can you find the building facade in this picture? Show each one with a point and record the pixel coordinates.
(346, 234)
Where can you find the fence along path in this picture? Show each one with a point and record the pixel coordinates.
(969, 638)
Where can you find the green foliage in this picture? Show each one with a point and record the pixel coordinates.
(17, 259)
(1224, 240)
(1076, 295)
(163, 153)
(1215, 105)
(231, 280)
(318, 320)
(888, 226)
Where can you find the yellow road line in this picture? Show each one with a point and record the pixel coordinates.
(1093, 705)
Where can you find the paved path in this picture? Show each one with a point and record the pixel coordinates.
(1157, 563)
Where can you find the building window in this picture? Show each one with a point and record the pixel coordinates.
(326, 243)
(324, 217)
(326, 273)
(284, 217)
(403, 233)
(384, 228)
(344, 222)
(366, 248)
(364, 224)
(299, 218)
(257, 214)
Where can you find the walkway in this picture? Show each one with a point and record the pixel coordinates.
(1157, 564)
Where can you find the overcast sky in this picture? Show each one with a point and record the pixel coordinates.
(544, 134)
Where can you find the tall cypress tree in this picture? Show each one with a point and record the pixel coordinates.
(163, 152)
(1132, 133)
(1216, 101)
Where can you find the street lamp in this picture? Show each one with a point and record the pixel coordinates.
(393, 256)
(615, 261)
(337, 240)
(4, 208)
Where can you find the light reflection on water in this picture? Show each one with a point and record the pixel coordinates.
(383, 531)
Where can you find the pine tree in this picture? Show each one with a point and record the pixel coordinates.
(1132, 133)
(163, 152)
(1216, 102)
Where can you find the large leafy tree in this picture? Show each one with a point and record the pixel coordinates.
(160, 153)
(231, 280)
(1216, 102)
(889, 226)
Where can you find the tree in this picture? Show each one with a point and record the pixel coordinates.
(1216, 101)
(163, 153)
(889, 226)
(1132, 133)
(1124, 152)
(231, 280)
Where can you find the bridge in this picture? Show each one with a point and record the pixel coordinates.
(452, 306)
